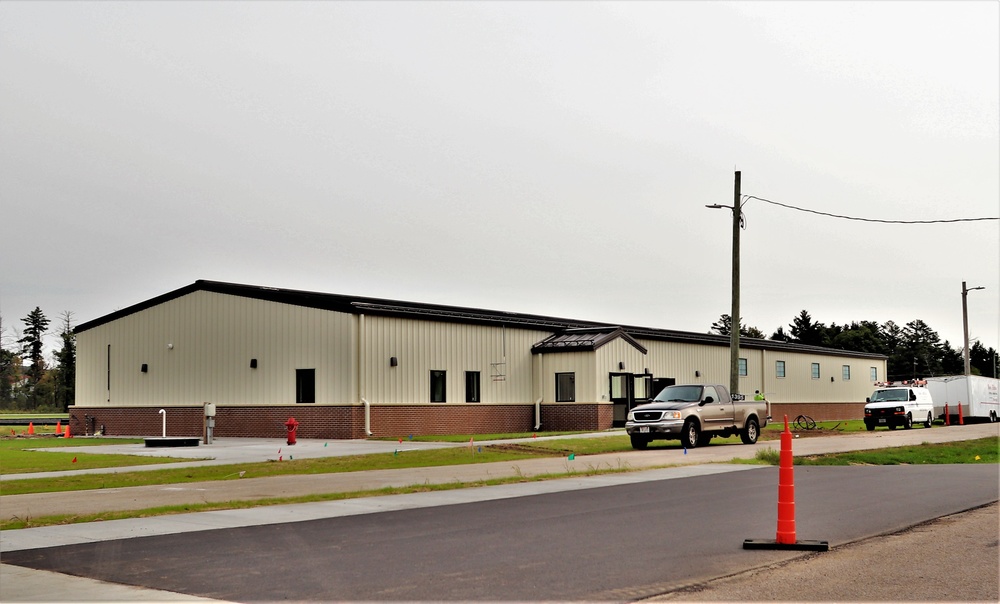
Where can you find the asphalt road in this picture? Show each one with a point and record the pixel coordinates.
(612, 543)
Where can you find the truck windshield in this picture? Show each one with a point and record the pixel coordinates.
(890, 396)
(680, 394)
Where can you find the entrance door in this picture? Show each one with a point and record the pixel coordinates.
(622, 396)
(661, 383)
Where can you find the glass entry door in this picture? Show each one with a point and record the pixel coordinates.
(622, 396)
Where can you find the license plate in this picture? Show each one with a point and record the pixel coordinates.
(643, 428)
(881, 421)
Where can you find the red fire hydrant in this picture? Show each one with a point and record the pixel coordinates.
(292, 426)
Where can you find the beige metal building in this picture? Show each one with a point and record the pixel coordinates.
(349, 367)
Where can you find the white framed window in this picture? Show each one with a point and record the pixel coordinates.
(815, 371)
(743, 366)
(779, 369)
(472, 394)
(565, 387)
(873, 374)
(845, 373)
(438, 383)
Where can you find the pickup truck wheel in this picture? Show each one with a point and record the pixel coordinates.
(690, 434)
(751, 432)
(909, 421)
(639, 442)
(930, 420)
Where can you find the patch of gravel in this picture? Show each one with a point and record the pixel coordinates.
(951, 559)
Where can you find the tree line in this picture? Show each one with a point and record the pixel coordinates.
(914, 350)
(27, 381)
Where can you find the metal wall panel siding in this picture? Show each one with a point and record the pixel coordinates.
(197, 348)
(681, 361)
(422, 346)
(608, 358)
(581, 364)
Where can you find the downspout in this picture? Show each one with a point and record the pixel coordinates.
(368, 417)
(538, 414)
(361, 390)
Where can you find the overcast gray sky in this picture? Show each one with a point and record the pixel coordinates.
(541, 157)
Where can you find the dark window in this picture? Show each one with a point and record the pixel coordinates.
(437, 386)
(305, 385)
(565, 387)
(472, 387)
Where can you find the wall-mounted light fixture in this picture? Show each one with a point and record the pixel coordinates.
(621, 365)
(170, 346)
(645, 369)
(697, 373)
(393, 362)
(253, 363)
(144, 368)
(831, 378)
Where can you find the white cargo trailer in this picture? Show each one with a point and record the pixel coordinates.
(979, 396)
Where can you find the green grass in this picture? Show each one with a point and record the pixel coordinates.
(982, 450)
(325, 465)
(17, 458)
(63, 416)
(18, 523)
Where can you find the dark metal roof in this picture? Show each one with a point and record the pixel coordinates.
(588, 338)
(456, 314)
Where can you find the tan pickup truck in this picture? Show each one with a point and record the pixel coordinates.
(695, 413)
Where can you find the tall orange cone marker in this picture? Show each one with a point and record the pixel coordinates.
(31, 427)
(66, 433)
(947, 422)
(58, 426)
(960, 422)
(785, 536)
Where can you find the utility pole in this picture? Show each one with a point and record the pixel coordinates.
(734, 316)
(965, 323)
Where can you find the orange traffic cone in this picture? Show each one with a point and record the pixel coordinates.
(58, 426)
(31, 427)
(786, 490)
(66, 434)
(785, 535)
(947, 421)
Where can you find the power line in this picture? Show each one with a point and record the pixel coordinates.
(784, 205)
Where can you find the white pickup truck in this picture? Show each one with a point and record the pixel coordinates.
(694, 414)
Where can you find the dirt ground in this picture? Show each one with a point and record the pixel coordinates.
(951, 559)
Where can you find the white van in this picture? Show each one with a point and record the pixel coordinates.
(899, 406)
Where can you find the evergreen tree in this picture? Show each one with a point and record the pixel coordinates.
(10, 373)
(805, 331)
(725, 324)
(35, 325)
(779, 335)
(865, 336)
(65, 370)
(983, 360)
